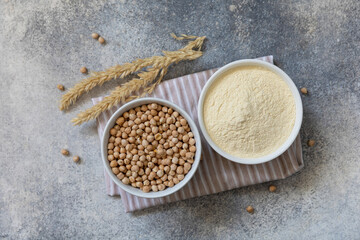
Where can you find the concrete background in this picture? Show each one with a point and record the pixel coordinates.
(44, 195)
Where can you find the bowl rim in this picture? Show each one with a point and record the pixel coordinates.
(298, 106)
(106, 133)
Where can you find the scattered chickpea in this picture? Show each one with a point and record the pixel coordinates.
(60, 87)
(64, 152)
(95, 35)
(311, 143)
(249, 209)
(76, 159)
(272, 188)
(83, 70)
(304, 90)
(101, 40)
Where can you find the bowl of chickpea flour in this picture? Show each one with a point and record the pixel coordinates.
(151, 147)
(250, 111)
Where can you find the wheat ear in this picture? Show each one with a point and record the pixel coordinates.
(145, 78)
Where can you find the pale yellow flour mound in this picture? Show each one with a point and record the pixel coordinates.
(249, 112)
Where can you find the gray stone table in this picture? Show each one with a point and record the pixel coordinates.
(44, 195)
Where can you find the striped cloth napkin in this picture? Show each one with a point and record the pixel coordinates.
(215, 173)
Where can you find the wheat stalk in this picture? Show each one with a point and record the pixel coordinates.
(159, 64)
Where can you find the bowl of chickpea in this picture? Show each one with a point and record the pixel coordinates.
(151, 147)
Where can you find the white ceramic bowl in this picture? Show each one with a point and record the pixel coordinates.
(129, 188)
(298, 105)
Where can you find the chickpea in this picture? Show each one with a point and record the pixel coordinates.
(76, 159)
(181, 130)
(167, 161)
(148, 130)
(171, 184)
(169, 152)
(160, 173)
(192, 141)
(180, 177)
(101, 40)
(249, 209)
(183, 152)
(189, 155)
(150, 138)
(155, 169)
(111, 157)
(183, 122)
(311, 143)
(153, 112)
(66, 152)
(158, 181)
(272, 188)
(181, 162)
(143, 108)
(151, 175)
(179, 170)
(164, 178)
(304, 90)
(135, 168)
(164, 109)
(60, 87)
(115, 170)
(155, 130)
(83, 70)
(153, 121)
(132, 179)
(123, 169)
(125, 180)
(120, 121)
(176, 180)
(192, 149)
(120, 176)
(133, 133)
(187, 166)
(146, 189)
(113, 164)
(154, 188)
(161, 187)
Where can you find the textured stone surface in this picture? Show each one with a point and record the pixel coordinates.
(44, 195)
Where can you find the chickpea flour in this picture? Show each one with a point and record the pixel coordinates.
(249, 112)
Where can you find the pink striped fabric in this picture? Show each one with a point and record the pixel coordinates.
(215, 173)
